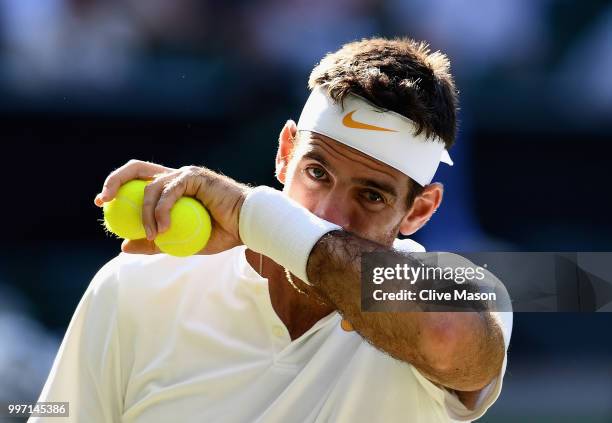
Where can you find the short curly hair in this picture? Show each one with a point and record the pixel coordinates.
(400, 74)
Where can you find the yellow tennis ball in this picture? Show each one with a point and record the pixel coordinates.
(189, 230)
(123, 215)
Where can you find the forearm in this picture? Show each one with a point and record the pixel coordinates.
(461, 350)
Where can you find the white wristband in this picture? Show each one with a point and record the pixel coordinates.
(273, 224)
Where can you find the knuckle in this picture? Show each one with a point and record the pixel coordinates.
(149, 189)
(160, 175)
(174, 184)
(163, 197)
(191, 170)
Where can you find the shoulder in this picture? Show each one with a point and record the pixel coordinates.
(147, 294)
(151, 268)
(102, 291)
(133, 281)
(154, 286)
(157, 272)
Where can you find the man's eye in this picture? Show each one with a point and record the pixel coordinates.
(316, 172)
(374, 197)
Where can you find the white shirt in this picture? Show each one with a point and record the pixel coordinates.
(165, 339)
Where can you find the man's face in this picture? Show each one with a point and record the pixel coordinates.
(344, 186)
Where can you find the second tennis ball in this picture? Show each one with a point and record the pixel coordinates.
(189, 231)
(190, 225)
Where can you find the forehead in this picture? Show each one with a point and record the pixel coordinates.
(347, 159)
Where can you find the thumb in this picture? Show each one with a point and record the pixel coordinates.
(139, 246)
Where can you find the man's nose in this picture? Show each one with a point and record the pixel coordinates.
(334, 208)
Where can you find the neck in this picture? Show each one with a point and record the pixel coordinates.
(297, 311)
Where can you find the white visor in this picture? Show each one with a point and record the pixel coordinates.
(382, 134)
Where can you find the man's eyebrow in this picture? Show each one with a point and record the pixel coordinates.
(382, 186)
(318, 157)
(371, 183)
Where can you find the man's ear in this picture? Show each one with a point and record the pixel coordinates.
(424, 206)
(286, 141)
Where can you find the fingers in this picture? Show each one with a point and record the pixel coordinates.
(139, 246)
(161, 195)
(134, 169)
(169, 196)
(152, 194)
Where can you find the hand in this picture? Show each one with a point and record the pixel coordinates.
(222, 196)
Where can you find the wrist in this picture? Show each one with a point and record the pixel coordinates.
(273, 224)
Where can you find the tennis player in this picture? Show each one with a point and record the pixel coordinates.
(266, 324)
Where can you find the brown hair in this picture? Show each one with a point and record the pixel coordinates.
(401, 75)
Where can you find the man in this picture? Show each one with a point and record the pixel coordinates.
(266, 325)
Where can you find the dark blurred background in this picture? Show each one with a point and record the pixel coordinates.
(86, 85)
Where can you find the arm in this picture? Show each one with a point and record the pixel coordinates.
(461, 350)
(86, 371)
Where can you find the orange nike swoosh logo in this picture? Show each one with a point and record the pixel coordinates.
(352, 123)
